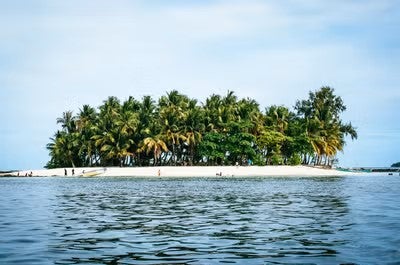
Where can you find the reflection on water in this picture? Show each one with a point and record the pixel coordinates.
(194, 221)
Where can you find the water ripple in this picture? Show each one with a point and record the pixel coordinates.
(198, 221)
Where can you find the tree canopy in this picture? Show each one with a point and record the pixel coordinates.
(224, 130)
(396, 164)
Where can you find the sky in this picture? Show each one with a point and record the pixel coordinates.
(58, 55)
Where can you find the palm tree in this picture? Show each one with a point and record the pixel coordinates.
(250, 112)
(229, 108)
(85, 126)
(147, 125)
(113, 147)
(222, 130)
(63, 149)
(108, 113)
(127, 125)
(109, 141)
(213, 113)
(277, 118)
(155, 145)
(321, 114)
(193, 128)
(67, 122)
(172, 113)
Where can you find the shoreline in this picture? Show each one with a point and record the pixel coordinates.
(185, 171)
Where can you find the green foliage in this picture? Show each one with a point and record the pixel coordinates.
(177, 130)
(295, 159)
(396, 164)
(276, 159)
(212, 148)
(324, 130)
(259, 160)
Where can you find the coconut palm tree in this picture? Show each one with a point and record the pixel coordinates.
(109, 111)
(277, 118)
(248, 110)
(147, 126)
(321, 114)
(229, 108)
(172, 114)
(155, 145)
(127, 125)
(85, 126)
(63, 149)
(67, 122)
(222, 130)
(213, 113)
(193, 128)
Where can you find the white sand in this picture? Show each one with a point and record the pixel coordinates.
(237, 171)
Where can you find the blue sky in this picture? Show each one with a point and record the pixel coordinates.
(58, 55)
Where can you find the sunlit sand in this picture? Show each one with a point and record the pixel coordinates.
(187, 171)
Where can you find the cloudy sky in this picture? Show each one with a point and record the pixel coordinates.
(58, 55)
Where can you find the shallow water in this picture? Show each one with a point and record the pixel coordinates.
(352, 220)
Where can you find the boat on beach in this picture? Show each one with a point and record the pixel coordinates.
(94, 172)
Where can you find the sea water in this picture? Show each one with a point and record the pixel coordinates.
(271, 220)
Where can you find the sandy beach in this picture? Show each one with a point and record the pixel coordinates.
(195, 171)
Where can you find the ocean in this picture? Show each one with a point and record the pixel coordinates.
(260, 220)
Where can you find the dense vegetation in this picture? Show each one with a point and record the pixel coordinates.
(396, 164)
(224, 130)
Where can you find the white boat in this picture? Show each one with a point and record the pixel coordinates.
(94, 172)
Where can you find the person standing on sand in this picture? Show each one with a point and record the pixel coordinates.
(73, 172)
(159, 172)
(65, 172)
